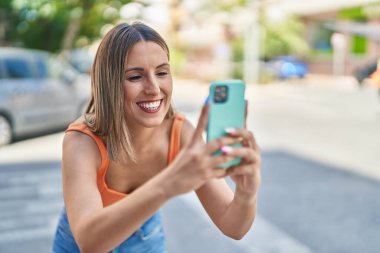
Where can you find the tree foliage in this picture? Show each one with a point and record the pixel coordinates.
(53, 25)
(284, 38)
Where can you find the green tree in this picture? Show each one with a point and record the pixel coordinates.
(284, 38)
(55, 25)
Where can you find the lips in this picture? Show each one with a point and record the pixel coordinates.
(151, 106)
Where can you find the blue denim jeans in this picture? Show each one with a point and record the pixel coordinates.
(149, 238)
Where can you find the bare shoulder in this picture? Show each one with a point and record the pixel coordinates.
(186, 132)
(79, 147)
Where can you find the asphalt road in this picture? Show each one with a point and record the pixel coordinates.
(320, 177)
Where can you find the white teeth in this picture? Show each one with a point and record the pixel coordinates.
(150, 105)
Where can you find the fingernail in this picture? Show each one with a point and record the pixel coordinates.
(207, 101)
(226, 149)
(230, 130)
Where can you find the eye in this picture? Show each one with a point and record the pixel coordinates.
(134, 78)
(162, 73)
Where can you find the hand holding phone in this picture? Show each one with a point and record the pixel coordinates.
(227, 110)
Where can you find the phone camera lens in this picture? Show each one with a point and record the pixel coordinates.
(220, 94)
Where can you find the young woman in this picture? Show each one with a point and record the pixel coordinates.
(130, 153)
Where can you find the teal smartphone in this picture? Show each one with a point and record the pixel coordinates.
(227, 109)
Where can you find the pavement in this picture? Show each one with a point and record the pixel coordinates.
(320, 175)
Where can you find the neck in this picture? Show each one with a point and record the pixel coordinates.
(141, 137)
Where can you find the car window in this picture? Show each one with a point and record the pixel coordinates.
(2, 76)
(42, 70)
(17, 68)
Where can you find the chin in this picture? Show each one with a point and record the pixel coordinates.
(153, 122)
(150, 121)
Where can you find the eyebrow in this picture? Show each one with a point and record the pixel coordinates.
(141, 69)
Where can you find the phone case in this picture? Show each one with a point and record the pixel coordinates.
(228, 113)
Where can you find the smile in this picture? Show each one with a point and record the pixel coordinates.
(150, 106)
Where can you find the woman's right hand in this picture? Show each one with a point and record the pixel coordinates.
(195, 165)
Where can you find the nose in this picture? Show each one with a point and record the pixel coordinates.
(152, 86)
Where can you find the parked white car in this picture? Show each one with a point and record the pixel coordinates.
(38, 93)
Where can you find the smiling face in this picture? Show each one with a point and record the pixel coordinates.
(147, 85)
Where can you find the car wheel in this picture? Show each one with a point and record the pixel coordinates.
(5, 131)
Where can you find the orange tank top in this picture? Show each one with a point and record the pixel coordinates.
(110, 196)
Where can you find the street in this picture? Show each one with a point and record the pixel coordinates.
(320, 176)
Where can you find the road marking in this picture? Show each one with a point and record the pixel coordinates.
(27, 222)
(26, 234)
(32, 209)
(29, 191)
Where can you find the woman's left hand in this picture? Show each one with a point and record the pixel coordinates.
(246, 175)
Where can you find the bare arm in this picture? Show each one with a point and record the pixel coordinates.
(232, 213)
(98, 229)
(234, 217)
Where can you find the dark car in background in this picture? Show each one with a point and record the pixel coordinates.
(285, 67)
(38, 93)
(364, 72)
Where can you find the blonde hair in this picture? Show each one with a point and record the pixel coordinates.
(105, 113)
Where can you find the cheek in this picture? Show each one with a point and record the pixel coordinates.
(130, 94)
(168, 87)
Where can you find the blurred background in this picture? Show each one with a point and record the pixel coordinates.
(313, 84)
